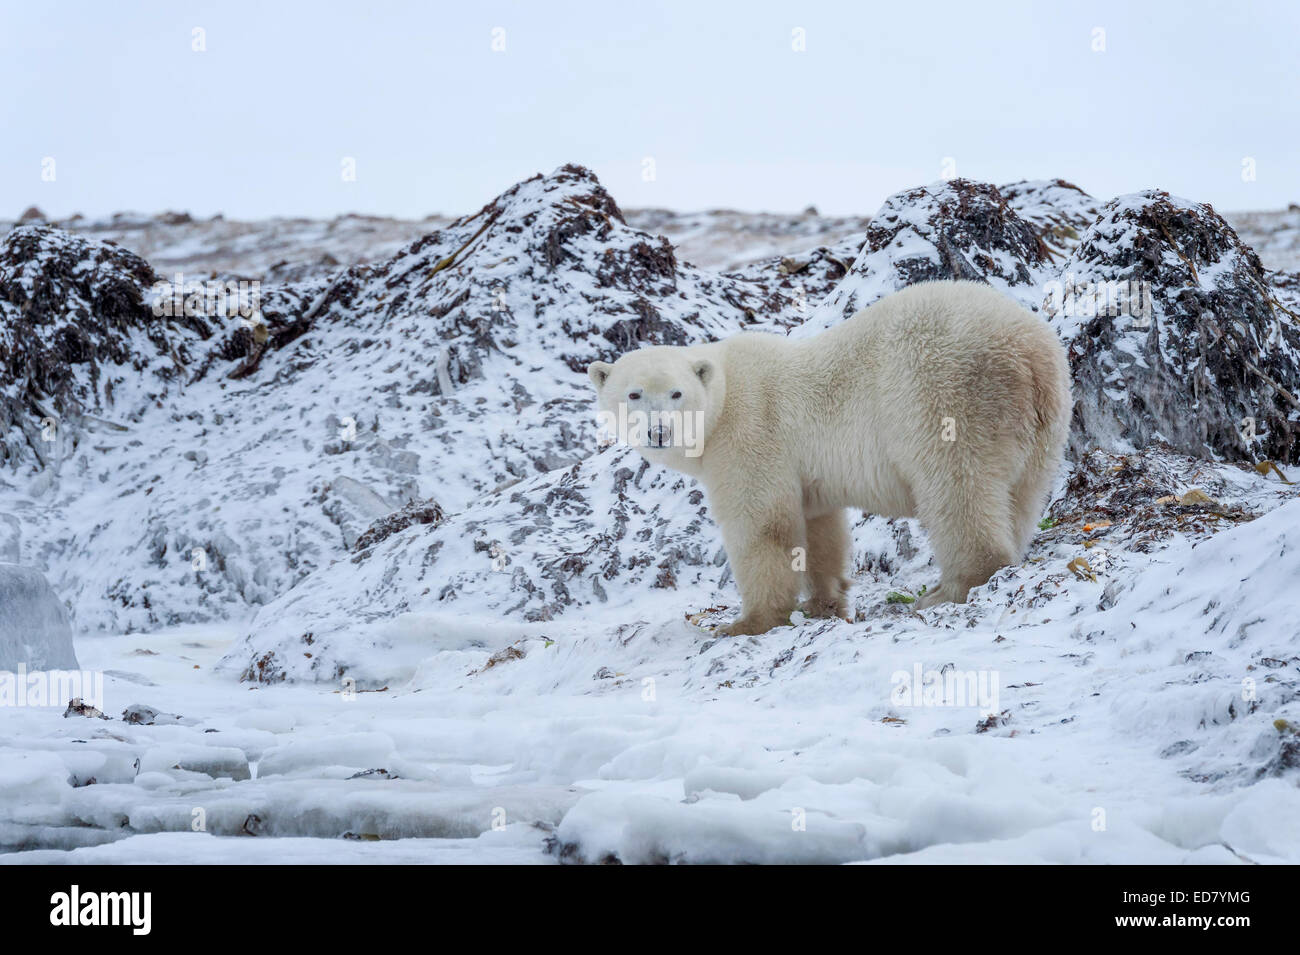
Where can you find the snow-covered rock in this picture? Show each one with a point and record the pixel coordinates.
(78, 344)
(1060, 211)
(1175, 330)
(1193, 350)
(956, 229)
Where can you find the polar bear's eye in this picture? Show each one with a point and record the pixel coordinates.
(633, 396)
(676, 395)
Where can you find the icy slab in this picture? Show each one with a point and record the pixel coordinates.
(34, 627)
(515, 845)
(11, 539)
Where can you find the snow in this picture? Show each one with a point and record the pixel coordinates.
(726, 754)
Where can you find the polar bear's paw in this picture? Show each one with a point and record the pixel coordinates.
(754, 624)
(826, 608)
(942, 594)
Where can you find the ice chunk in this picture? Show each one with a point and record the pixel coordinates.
(34, 628)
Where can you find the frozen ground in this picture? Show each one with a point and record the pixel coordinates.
(1123, 734)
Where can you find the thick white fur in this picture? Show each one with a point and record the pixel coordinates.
(793, 432)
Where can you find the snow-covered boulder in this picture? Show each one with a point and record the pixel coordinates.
(34, 627)
(1060, 211)
(1174, 334)
(947, 230)
(80, 348)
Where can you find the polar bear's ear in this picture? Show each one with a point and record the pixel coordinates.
(599, 371)
(703, 370)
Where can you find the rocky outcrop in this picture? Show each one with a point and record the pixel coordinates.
(1174, 334)
(416, 512)
(948, 230)
(1175, 331)
(550, 263)
(247, 451)
(78, 343)
(1059, 211)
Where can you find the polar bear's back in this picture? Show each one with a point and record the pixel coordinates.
(955, 367)
(946, 336)
(933, 318)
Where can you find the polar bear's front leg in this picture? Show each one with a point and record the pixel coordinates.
(764, 557)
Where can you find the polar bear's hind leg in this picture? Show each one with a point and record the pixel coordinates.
(1051, 405)
(1028, 496)
(828, 557)
(972, 530)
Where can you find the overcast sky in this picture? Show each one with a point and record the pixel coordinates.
(715, 94)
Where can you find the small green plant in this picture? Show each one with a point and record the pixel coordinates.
(895, 597)
(1046, 523)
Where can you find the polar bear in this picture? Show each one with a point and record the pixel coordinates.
(945, 401)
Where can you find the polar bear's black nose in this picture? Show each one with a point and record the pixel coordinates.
(660, 436)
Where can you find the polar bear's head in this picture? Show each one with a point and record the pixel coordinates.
(661, 400)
